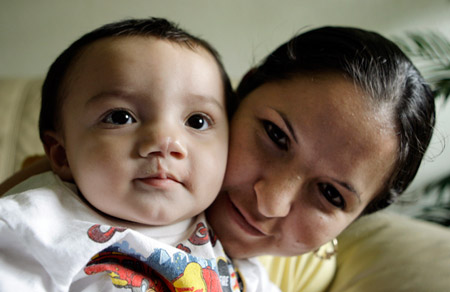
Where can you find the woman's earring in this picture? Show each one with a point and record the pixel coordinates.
(327, 251)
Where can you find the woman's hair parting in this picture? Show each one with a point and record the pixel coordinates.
(377, 66)
(53, 91)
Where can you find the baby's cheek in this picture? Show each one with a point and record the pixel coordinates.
(97, 169)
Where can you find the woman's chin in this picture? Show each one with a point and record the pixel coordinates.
(238, 251)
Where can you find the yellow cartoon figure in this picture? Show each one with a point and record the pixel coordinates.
(197, 279)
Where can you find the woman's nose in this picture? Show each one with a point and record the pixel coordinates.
(275, 195)
(163, 142)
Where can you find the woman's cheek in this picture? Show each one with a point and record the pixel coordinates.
(305, 229)
(242, 162)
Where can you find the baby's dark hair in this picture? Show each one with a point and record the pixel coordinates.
(53, 91)
(381, 69)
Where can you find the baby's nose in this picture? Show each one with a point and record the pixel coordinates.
(164, 143)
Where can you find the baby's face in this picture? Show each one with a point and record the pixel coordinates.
(145, 128)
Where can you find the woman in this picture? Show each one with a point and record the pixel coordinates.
(332, 125)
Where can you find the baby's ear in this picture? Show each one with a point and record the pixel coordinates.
(56, 153)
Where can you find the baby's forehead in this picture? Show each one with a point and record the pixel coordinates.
(110, 42)
(136, 64)
(124, 45)
(110, 47)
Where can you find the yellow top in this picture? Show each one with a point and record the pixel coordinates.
(301, 273)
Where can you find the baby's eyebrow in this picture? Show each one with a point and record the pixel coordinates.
(191, 99)
(108, 94)
(208, 100)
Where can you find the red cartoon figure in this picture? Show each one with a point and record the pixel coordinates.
(96, 234)
(184, 248)
(200, 235)
(127, 272)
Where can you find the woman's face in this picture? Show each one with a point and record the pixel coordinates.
(306, 157)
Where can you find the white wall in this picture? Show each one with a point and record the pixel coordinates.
(33, 33)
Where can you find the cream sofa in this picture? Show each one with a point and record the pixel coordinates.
(380, 252)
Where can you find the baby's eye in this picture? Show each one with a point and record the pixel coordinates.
(199, 122)
(119, 117)
(276, 135)
(332, 195)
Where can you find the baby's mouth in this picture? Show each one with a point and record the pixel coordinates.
(164, 176)
(160, 180)
(157, 174)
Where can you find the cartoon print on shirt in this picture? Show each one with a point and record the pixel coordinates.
(225, 279)
(162, 271)
(200, 235)
(196, 278)
(126, 272)
(96, 233)
(184, 248)
(159, 272)
(212, 237)
(179, 267)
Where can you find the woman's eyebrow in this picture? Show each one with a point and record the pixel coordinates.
(350, 188)
(288, 124)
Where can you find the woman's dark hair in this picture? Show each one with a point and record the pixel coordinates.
(52, 89)
(381, 69)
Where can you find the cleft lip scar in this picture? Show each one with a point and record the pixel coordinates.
(158, 170)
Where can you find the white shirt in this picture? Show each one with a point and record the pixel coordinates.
(49, 235)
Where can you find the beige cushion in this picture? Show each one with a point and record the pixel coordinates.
(382, 252)
(306, 273)
(387, 252)
(19, 111)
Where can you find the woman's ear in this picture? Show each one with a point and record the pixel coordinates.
(56, 153)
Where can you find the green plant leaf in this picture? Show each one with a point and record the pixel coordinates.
(430, 51)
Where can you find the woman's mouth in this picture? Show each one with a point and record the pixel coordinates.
(244, 221)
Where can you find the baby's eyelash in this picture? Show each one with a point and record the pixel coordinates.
(199, 121)
(118, 117)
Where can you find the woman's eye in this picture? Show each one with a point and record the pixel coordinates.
(332, 195)
(118, 117)
(276, 135)
(199, 122)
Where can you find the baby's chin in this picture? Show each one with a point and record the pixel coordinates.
(160, 220)
(163, 217)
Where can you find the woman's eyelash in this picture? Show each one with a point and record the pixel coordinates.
(277, 135)
(332, 195)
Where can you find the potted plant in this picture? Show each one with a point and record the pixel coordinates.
(430, 52)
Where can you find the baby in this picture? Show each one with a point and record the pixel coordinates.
(134, 123)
